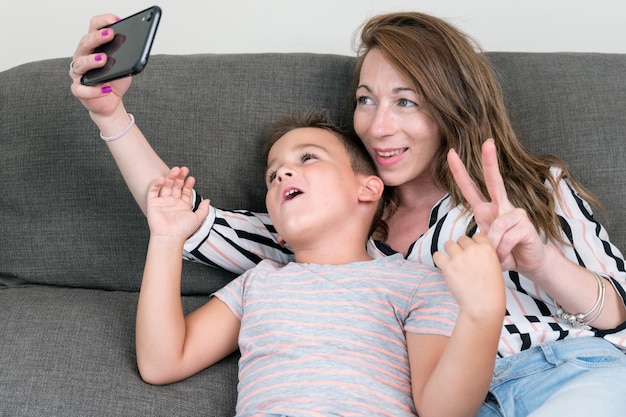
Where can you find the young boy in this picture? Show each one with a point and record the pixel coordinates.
(334, 333)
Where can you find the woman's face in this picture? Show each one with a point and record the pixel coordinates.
(394, 123)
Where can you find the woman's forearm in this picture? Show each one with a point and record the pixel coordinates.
(576, 290)
(137, 161)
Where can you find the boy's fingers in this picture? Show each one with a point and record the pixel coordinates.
(155, 187)
(441, 260)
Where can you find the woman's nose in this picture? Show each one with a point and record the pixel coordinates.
(382, 123)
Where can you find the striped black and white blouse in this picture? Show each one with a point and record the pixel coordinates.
(237, 240)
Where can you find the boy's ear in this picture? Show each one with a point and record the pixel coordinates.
(372, 190)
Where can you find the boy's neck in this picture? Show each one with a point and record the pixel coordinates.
(332, 254)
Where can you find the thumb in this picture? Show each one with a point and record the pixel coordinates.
(155, 188)
(203, 209)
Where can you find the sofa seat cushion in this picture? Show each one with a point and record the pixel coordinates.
(70, 352)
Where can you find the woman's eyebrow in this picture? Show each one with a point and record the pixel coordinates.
(396, 90)
(402, 89)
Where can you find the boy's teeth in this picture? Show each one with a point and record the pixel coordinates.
(291, 192)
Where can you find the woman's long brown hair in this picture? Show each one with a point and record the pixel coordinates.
(464, 96)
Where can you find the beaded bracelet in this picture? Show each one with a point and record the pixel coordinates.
(578, 320)
(122, 133)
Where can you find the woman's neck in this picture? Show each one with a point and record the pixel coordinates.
(410, 219)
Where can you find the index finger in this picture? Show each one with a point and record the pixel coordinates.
(466, 185)
(100, 21)
(90, 41)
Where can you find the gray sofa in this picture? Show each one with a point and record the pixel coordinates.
(72, 241)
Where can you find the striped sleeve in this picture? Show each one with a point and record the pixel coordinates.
(590, 244)
(235, 240)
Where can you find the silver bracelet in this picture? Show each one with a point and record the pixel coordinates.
(122, 133)
(578, 320)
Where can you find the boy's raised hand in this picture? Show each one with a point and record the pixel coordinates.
(473, 273)
(169, 206)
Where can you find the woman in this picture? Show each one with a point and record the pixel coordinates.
(426, 103)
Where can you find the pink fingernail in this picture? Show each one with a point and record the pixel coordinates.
(105, 32)
(98, 57)
(106, 89)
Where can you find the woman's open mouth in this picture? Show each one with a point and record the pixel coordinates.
(388, 157)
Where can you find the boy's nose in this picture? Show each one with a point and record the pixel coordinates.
(283, 172)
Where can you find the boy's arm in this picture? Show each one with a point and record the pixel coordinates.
(170, 346)
(451, 376)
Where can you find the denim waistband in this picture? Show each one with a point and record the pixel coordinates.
(546, 355)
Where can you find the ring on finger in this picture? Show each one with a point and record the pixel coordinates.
(72, 68)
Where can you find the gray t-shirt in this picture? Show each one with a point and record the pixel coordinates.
(331, 338)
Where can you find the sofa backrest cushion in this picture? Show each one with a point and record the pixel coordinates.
(67, 219)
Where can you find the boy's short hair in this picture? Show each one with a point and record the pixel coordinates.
(360, 160)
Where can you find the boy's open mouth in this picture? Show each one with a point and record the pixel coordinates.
(291, 193)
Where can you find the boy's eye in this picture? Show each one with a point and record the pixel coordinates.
(308, 157)
(271, 176)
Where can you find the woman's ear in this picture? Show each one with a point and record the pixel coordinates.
(372, 190)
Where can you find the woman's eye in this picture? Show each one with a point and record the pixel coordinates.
(363, 100)
(406, 103)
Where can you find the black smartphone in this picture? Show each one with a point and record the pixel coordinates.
(129, 50)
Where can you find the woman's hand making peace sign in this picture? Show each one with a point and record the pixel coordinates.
(508, 228)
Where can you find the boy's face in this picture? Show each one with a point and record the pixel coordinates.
(311, 187)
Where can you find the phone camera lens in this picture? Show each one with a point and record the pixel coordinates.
(148, 17)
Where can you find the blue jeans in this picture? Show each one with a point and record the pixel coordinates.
(579, 377)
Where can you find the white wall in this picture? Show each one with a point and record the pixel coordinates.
(38, 29)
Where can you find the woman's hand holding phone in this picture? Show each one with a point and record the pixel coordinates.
(128, 52)
(111, 50)
(133, 154)
(104, 99)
